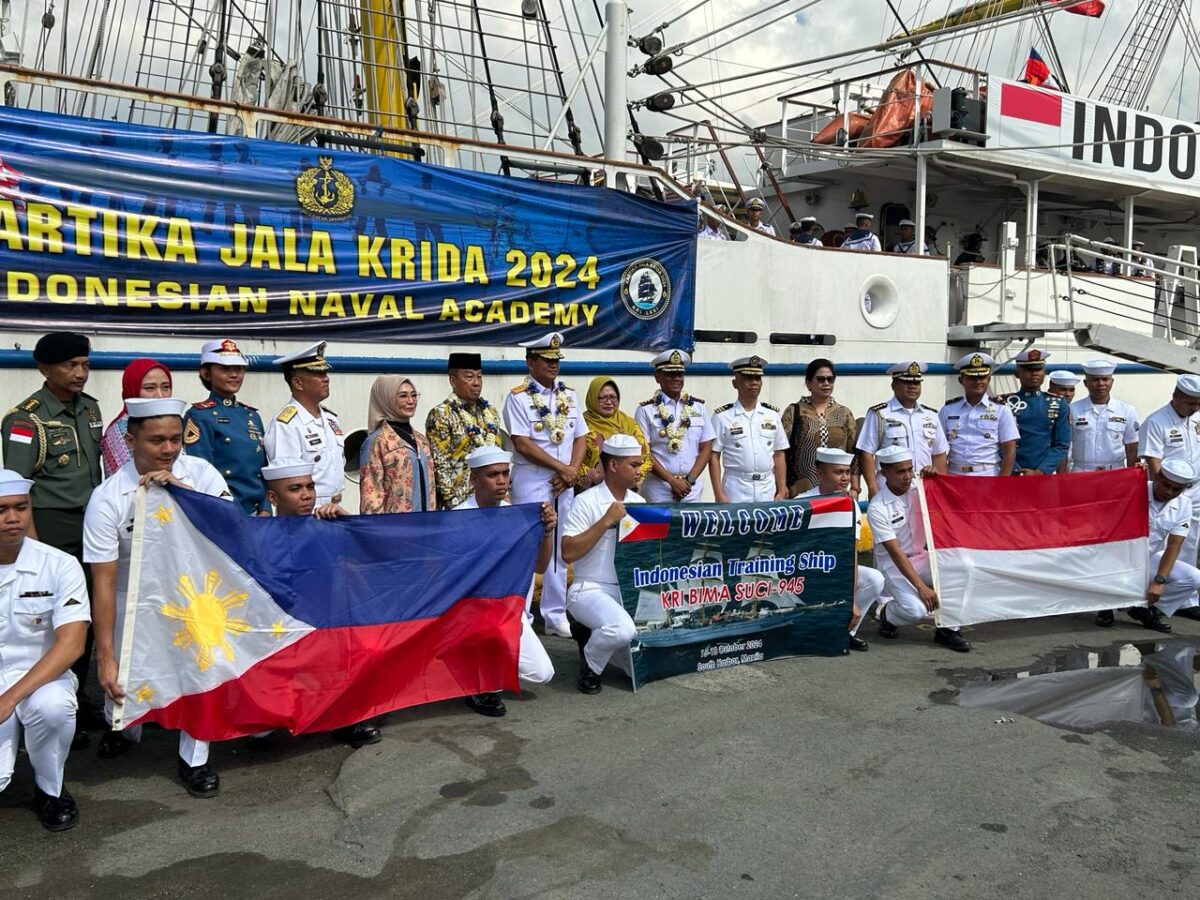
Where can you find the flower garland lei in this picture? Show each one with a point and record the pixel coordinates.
(472, 429)
(674, 433)
(553, 421)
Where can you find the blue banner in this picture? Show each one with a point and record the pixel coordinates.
(106, 226)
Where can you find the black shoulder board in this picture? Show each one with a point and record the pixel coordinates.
(721, 409)
(770, 407)
(878, 406)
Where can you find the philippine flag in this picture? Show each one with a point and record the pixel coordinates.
(1018, 548)
(236, 624)
(645, 523)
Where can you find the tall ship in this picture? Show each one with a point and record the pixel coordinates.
(1045, 162)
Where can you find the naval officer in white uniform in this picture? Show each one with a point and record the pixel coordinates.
(982, 435)
(903, 422)
(304, 429)
(1104, 430)
(602, 626)
(1173, 581)
(1173, 432)
(44, 616)
(677, 430)
(155, 439)
(901, 553)
(747, 464)
(548, 434)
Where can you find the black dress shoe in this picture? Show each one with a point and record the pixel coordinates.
(113, 744)
(359, 735)
(1191, 612)
(952, 640)
(1105, 619)
(56, 813)
(487, 704)
(857, 643)
(82, 739)
(200, 781)
(589, 681)
(886, 628)
(1149, 617)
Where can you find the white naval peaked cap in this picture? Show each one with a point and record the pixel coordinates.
(548, 346)
(908, 222)
(1099, 367)
(748, 365)
(756, 203)
(286, 467)
(621, 445)
(909, 370)
(13, 484)
(893, 454)
(222, 352)
(1067, 379)
(152, 407)
(977, 363)
(834, 456)
(1179, 471)
(671, 361)
(488, 455)
(310, 359)
(1032, 357)
(1189, 384)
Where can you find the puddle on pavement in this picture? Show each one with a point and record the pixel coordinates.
(1152, 682)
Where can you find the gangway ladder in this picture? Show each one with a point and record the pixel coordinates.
(1129, 81)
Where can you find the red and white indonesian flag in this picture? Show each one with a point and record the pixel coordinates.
(1029, 117)
(1018, 548)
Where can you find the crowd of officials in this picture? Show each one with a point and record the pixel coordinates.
(68, 489)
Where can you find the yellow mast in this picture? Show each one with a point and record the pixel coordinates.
(385, 62)
(975, 12)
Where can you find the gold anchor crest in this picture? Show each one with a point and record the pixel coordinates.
(977, 360)
(555, 342)
(914, 368)
(676, 359)
(325, 192)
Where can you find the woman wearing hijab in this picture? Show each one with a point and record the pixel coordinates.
(397, 472)
(141, 378)
(604, 419)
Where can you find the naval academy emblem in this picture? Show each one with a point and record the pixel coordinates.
(325, 192)
(645, 289)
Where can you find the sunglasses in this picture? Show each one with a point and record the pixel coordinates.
(825, 379)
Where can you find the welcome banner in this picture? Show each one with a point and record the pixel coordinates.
(711, 586)
(123, 228)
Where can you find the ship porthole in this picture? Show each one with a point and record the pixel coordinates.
(879, 301)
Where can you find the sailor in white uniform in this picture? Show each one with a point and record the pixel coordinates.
(833, 477)
(304, 429)
(549, 438)
(900, 551)
(677, 430)
(1140, 266)
(602, 626)
(713, 229)
(903, 422)
(805, 234)
(1062, 384)
(908, 238)
(155, 439)
(1104, 430)
(1174, 582)
(862, 238)
(747, 464)
(982, 435)
(754, 213)
(1173, 432)
(44, 616)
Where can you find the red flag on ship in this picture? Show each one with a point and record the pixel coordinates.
(1036, 70)
(1091, 8)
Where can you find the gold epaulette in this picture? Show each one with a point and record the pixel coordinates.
(286, 414)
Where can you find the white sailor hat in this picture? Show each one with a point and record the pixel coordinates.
(12, 484)
(1064, 378)
(1138, 244)
(909, 222)
(1099, 367)
(1033, 358)
(834, 456)
(286, 467)
(1188, 384)
(893, 453)
(748, 365)
(978, 363)
(621, 445)
(756, 203)
(671, 361)
(809, 220)
(910, 370)
(223, 352)
(488, 455)
(1178, 470)
(863, 215)
(548, 346)
(310, 359)
(152, 407)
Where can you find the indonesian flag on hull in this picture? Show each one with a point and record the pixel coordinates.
(1019, 548)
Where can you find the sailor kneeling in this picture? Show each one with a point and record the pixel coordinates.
(895, 521)
(601, 625)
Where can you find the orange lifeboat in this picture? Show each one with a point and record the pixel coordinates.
(828, 134)
(892, 122)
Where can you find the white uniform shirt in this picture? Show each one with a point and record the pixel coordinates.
(748, 439)
(891, 424)
(295, 433)
(869, 242)
(974, 434)
(522, 419)
(699, 430)
(1099, 434)
(1166, 435)
(764, 228)
(1166, 519)
(891, 519)
(472, 503)
(712, 234)
(599, 563)
(42, 590)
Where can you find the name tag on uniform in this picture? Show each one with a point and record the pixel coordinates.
(893, 423)
(952, 417)
(1081, 423)
(736, 430)
(1175, 436)
(314, 440)
(37, 594)
(898, 519)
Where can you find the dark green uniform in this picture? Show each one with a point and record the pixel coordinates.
(59, 448)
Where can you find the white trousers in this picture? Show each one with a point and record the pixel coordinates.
(191, 751)
(655, 490)
(1180, 590)
(741, 487)
(1191, 543)
(866, 591)
(48, 718)
(598, 606)
(532, 488)
(533, 664)
(905, 607)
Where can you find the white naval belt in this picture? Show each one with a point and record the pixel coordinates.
(750, 476)
(975, 468)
